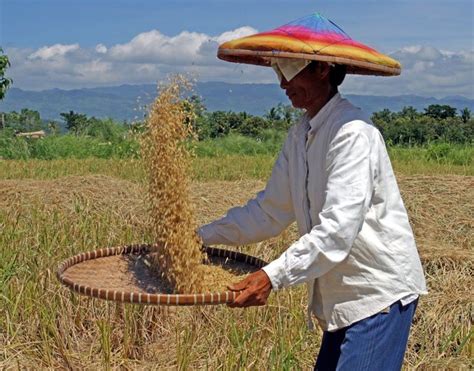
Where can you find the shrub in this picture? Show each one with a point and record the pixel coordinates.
(11, 147)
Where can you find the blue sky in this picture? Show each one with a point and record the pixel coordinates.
(77, 39)
(388, 24)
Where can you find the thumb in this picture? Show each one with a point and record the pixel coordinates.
(239, 286)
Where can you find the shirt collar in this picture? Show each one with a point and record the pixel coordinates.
(316, 122)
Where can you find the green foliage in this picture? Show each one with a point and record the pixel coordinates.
(439, 111)
(465, 114)
(197, 105)
(91, 137)
(105, 130)
(253, 126)
(53, 127)
(24, 121)
(11, 147)
(437, 124)
(75, 122)
(438, 152)
(5, 82)
(71, 146)
(445, 153)
(235, 144)
(285, 114)
(436, 156)
(441, 140)
(218, 124)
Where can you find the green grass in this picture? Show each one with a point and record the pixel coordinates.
(238, 145)
(226, 167)
(230, 157)
(439, 158)
(66, 146)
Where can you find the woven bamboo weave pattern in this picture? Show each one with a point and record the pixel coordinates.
(105, 274)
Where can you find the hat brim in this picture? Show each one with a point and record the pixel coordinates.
(263, 58)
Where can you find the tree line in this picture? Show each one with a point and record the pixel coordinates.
(437, 123)
(408, 127)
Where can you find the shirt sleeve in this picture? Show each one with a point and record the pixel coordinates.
(348, 196)
(265, 216)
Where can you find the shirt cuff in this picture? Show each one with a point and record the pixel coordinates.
(207, 234)
(277, 273)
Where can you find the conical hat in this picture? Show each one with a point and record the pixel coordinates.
(315, 38)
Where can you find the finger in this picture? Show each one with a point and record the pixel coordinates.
(251, 302)
(238, 286)
(245, 283)
(241, 299)
(249, 298)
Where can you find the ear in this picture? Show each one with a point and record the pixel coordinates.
(324, 69)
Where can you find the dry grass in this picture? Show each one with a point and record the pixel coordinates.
(441, 211)
(43, 325)
(442, 214)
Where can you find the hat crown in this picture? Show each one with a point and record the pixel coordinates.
(316, 23)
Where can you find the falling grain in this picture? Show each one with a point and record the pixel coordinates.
(167, 163)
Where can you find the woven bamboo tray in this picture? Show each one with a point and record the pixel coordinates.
(122, 274)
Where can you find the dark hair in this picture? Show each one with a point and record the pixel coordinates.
(337, 73)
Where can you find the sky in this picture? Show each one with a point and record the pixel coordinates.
(83, 43)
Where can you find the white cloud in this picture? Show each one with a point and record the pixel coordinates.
(154, 47)
(234, 34)
(147, 58)
(186, 48)
(426, 71)
(54, 51)
(101, 48)
(150, 56)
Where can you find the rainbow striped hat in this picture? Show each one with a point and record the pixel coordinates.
(313, 38)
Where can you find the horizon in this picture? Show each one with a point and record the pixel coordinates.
(236, 83)
(126, 101)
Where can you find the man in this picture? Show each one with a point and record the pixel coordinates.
(356, 249)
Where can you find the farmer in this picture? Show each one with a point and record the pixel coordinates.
(356, 249)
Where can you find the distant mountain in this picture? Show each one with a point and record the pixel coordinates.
(123, 102)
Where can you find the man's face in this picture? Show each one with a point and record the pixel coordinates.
(306, 87)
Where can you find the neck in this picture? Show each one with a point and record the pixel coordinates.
(320, 103)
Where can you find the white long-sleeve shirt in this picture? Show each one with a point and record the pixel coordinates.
(356, 248)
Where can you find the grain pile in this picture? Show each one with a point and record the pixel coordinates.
(167, 163)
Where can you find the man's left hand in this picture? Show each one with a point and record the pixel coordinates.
(255, 290)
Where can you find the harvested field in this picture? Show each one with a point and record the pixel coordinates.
(43, 325)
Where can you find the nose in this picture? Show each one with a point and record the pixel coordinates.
(283, 83)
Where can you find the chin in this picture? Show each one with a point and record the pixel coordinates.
(297, 105)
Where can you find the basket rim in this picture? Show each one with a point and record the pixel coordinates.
(206, 298)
